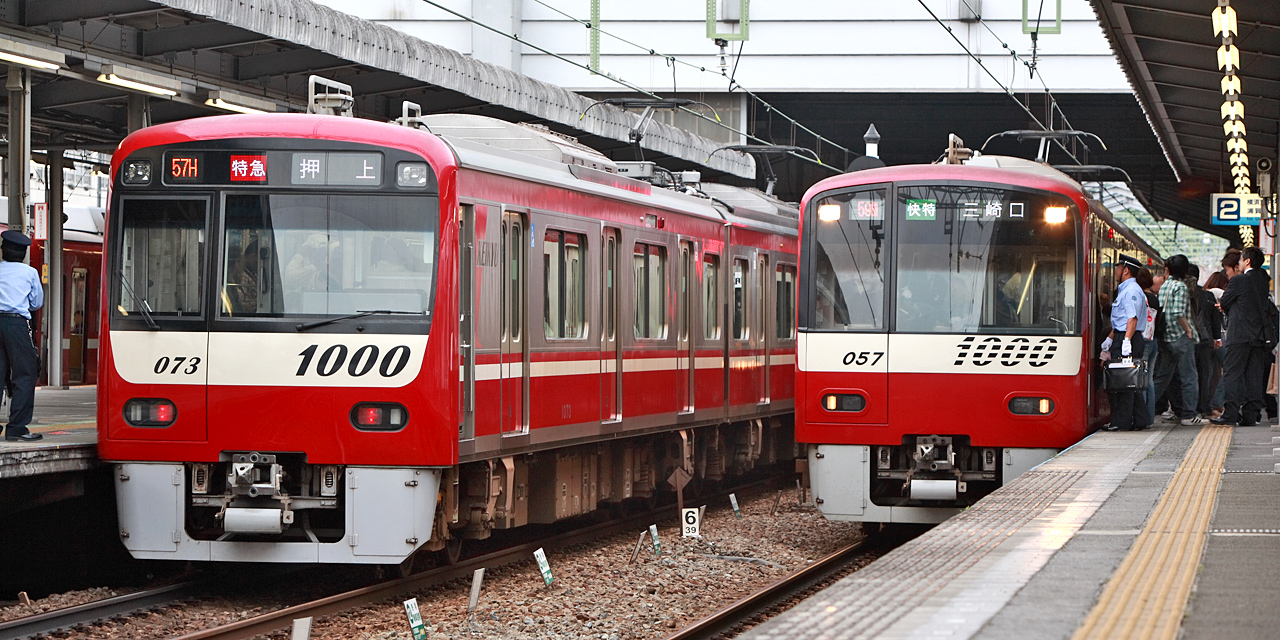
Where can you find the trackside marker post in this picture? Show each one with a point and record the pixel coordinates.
(639, 544)
(541, 557)
(653, 532)
(690, 523)
(776, 501)
(733, 500)
(477, 579)
(301, 629)
(415, 619)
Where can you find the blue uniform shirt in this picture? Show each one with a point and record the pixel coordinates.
(20, 289)
(1130, 302)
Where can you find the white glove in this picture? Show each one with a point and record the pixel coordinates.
(1106, 344)
(1126, 349)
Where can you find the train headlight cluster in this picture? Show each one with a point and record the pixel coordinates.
(844, 402)
(828, 212)
(1055, 215)
(137, 172)
(379, 416)
(149, 412)
(1031, 406)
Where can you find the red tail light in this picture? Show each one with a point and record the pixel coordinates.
(150, 412)
(369, 416)
(379, 416)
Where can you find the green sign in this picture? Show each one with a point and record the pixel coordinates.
(653, 532)
(541, 557)
(415, 619)
(922, 209)
(733, 501)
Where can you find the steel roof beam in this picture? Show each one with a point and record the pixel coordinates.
(198, 36)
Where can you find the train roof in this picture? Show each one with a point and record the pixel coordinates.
(994, 169)
(756, 211)
(84, 224)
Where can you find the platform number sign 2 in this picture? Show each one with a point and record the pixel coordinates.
(690, 524)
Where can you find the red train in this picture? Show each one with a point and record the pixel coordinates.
(339, 340)
(949, 317)
(81, 271)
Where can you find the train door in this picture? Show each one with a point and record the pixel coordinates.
(466, 322)
(76, 337)
(610, 354)
(685, 363)
(514, 369)
(760, 338)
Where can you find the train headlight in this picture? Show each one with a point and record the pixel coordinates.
(844, 402)
(137, 172)
(828, 212)
(412, 174)
(1031, 406)
(1055, 215)
(379, 416)
(150, 412)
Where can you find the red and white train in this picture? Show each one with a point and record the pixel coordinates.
(949, 320)
(328, 339)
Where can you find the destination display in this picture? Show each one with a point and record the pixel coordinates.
(349, 169)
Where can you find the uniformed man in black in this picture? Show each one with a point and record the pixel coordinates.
(20, 293)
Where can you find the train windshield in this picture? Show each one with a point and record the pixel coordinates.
(308, 255)
(975, 259)
(943, 259)
(161, 266)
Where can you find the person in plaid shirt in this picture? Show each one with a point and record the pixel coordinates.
(1180, 341)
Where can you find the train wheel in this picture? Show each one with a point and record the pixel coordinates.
(452, 551)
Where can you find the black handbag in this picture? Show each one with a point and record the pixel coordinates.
(1125, 375)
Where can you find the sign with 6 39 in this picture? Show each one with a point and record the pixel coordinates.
(691, 523)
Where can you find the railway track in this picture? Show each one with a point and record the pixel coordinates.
(791, 590)
(92, 612)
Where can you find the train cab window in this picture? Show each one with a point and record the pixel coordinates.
(161, 256)
(289, 255)
(741, 272)
(710, 296)
(649, 269)
(979, 259)
(848, 250)
(784, 280)
(564, 301)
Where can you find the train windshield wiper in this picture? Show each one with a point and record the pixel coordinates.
(359, 314)
(140, 304)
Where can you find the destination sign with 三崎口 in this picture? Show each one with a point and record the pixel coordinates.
(336, 169)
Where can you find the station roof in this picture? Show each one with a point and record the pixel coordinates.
(1169, 52)
(267, 49)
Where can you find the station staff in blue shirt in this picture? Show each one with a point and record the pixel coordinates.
(1128, 320)
(20, 294)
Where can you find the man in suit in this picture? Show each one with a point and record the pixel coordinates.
(1247, 359)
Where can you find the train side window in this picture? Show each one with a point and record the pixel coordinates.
(710, 296)
(741, 271)
(564, 301)
(650, 287)
(785, 290)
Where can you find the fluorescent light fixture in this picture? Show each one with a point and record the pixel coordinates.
(1237, 145)
(239, 103)
(1224, 22)
(1233, 128)
(139, 80)
(1233, 110)
(1240, 158)
(1230, 84)
(828, 212)
(1238, 171)
(1228, 58)
(1055, 215)
(28, 56)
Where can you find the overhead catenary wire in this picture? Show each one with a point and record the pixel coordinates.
(1008, 91)
(675, 60)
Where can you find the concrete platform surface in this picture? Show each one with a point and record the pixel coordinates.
(67, 418)
(1033, 559)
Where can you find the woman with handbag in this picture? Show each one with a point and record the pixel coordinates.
(1124, 345)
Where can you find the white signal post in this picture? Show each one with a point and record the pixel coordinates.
(691, 523)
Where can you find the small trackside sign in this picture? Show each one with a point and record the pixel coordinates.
(1236, 209)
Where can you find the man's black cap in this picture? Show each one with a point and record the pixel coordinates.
(15, 237)
(1129, 261)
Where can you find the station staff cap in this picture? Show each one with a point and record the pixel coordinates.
(15, 237)
(1129, 261)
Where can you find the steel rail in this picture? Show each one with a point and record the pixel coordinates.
(90, 612)
(772, 595)
(282, 618)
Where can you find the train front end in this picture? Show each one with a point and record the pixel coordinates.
(942, 313)
(279, 375)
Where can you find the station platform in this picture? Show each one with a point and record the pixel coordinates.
(52, 469)
(1168, 533)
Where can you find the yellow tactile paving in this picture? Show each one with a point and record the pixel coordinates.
(1147, 594)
